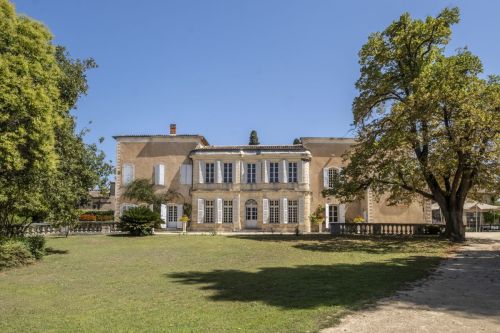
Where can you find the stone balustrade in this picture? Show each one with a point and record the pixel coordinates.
(389, 229)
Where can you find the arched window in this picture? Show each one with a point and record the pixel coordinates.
(251, 210)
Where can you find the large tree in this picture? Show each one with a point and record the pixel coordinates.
(46, 169)
(427, 123)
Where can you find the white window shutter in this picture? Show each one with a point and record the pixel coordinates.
(265, 171)
(258, 172)
(236, 210)
(202, 171)
(189, 174)
(219, 210)
(243, 172)
(183, 174)
(156, 174)
(163, 214)
(327, 216)
(342, 213)
(159, 174)
(179, 212)
(201, 210)
(265, 211)
(305, 172)
(284, 210)
(301, 210)
(218, 172)
(234, 172)
(300, 175)
(284, 171)
(127, 174)
(325, 177)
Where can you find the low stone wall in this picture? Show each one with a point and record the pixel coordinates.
(50, 229)
(389, 229)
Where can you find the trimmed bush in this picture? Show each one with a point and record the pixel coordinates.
(104, 217)
(14, 253)
(36, 245)
(140, 221)
(87, 217)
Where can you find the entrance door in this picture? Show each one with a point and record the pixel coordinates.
(251, 214)
(172, 216)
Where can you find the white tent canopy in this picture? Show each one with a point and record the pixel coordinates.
(473, 205)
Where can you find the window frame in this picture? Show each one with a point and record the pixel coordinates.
(332, 174)
(172, 212)
(227, 173)
(293, 211)
(251, 210)
(274, 212)
(227, 211)
(209, 216)
(274, 173)
(251, 173)
(210, 173)
(333, 213)
(293, 168)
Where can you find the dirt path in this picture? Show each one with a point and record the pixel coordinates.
(463, 295)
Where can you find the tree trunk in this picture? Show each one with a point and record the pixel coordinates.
(453, 216)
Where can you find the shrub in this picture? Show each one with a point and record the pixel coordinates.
(359, 219)
(432, 230)
(87, 217)
(13, 253)
(105, 217)
(36, 245)
(140, 221)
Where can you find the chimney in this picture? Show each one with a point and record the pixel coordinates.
(173, 129)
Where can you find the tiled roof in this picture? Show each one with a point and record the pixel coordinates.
(157, 135)
(203, 139)
(253, 147)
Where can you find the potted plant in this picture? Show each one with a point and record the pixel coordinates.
(185, 220)
(359, 219)
(317, 217)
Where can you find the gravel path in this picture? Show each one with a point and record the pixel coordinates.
(463, 295)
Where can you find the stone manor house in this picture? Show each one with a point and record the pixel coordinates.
(260, 187)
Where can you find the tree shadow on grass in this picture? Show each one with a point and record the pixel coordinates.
(467, 285)
(327, 243)
(310, 286)
(49, 251)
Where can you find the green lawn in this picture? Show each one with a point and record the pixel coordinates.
(206, 283)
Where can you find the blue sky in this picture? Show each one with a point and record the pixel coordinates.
(222, 68)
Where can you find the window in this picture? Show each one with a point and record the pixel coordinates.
(228, 173)
(274, 211)
(292, 172)
(209, 211)
(172, 213)
(159, 174)
(228, 211)
(333, 175)
(186, 174)
(273, 172)
(125, 207)
(209, 173)
(128, 174)
(251, 173)
(293, 211)
(251, 210)
(333, 214)
(472, 219)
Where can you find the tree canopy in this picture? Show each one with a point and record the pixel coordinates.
(254, 139)
(46, 169)
(427, 124)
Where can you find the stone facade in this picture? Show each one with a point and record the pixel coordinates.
(234, 188)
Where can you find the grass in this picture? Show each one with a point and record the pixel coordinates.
(206, 283)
